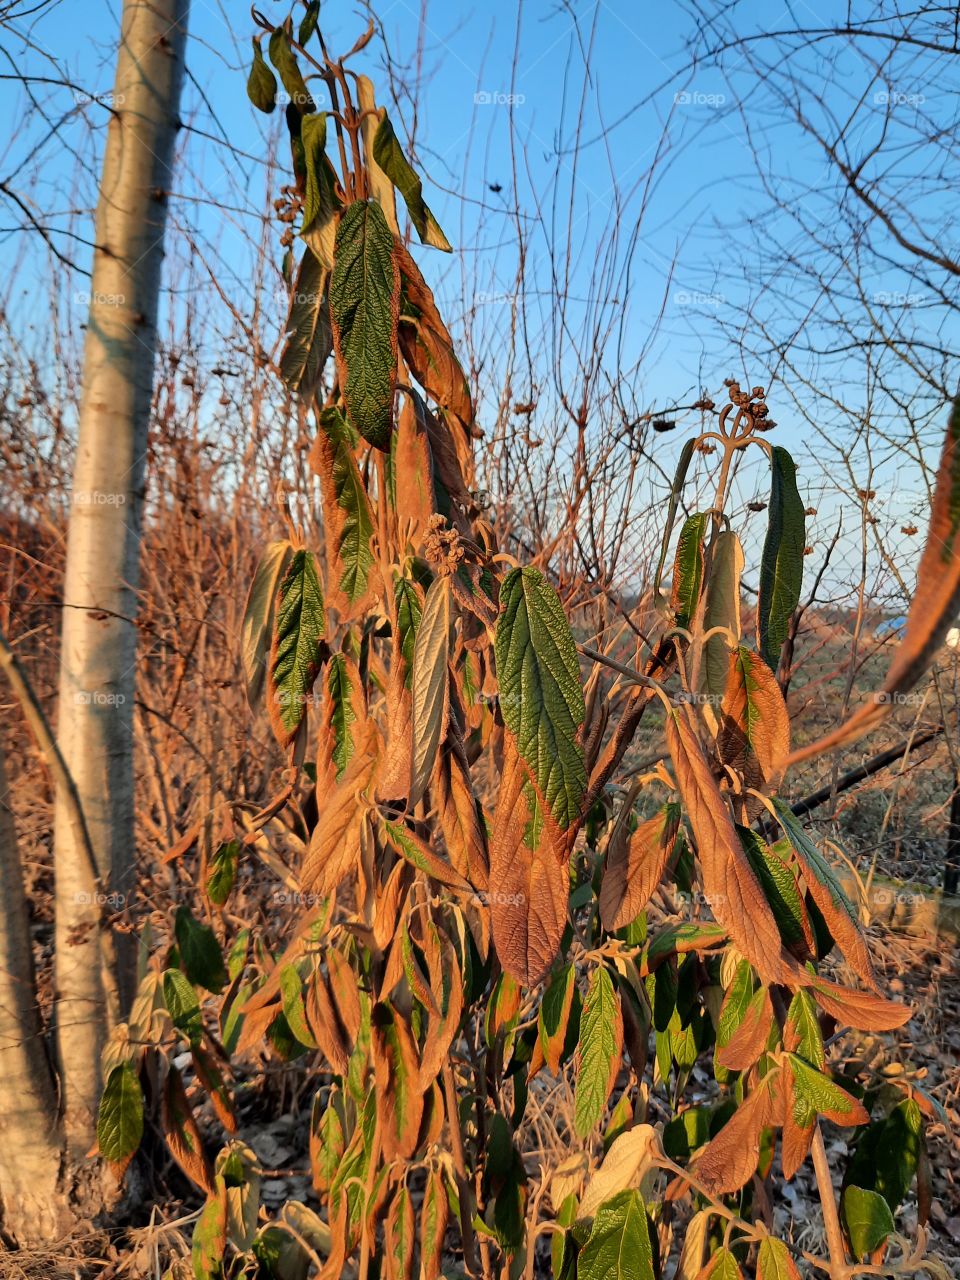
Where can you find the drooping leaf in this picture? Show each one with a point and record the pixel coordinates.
(722, 609)
(320, 204)
(347, 510)
(867, 1220)
(541, 697)
(434, 1214)
(210, 1235)
(181, 1133)
(120, 1118)
(774, 1261)
(182, 1004)
(309, 339)
(781, 564)
(618, 1247)
(345, 695)
(295, 654)
(291, 992)
(635, 863)
(782, 891)
(730, 885)
(683, 463)
(334, 848)
(397, 1069)
(431, 683)
(257, 629)
(688, 569)
(364, 301)
(399, 1235)
(828, 894)
(730, 1158)
(261, 82)
(285, 61)
(200, 955)
(598, 1055)
(623, 1167)
(391, 159)
(554, 1017)
(749, 1040)
(754, 727)
(529, 885)
(222, 872)
(801, 1031)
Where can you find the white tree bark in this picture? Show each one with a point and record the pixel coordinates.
(30, 1139)
(98, 646)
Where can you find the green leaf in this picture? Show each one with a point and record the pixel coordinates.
(222, 872)
(601, 1043)
(257, 629)
(120, 1118)
(722, 609)
(431, 683)
(554, 1016)
(802, 1018)
(409, 614)
(688, 569)
(774, 1261)
(182, 1004)
(686, 453)
(291, 992)
(200, 956)
(389, 156)
(540, 692)
(867, 1218)
(298, 630)
(309, 339)
(364, 303)
(308, 23)
(353, 547)
(261, 82)
(210, 1235)
(817, 1092)
(781, 564)
(282, 57)
(722, 1266)
(320, 204)
(887, 1154)
(619, 1246)
(735, 1003)
(779, 885)
(343, 714)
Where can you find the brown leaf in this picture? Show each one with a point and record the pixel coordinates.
(434, 1213)
(325, 1024)
(334, 846)
(415, 501)
(635, 863)
(446, 991)
(397, 1072)
(393, 779)
(860, 1009)
(399, 1236)
(387, 906)
(529, 888)
(749, 1040)
(211, 1077)
(345, 992)
(754, 736)
(733, 891)
(181, 1134)
(730, 1159)
(461, 820)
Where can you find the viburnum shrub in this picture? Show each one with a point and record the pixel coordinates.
(470, 878)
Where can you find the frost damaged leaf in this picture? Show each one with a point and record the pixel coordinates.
(540, 692)
(257, 630)
(431, 684)
(364, 298)
(735, 895)
(747, 1043)
(320, 204)
(635, 863)
(309, 340)
(730, 1159)
(181, 1133)
(334, 849)
(347, 512)
(754, 727)
(688, 569)
(529, 886)
(298, 628)
(722, 609)
(781, 564)
(397, 1069)
(390, 157)
(828, 894)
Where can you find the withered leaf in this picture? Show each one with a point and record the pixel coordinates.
(730, 1159)
(635, 863)
(397, 1070)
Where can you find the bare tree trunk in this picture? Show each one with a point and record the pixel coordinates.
(98, 653)
(30, 1139)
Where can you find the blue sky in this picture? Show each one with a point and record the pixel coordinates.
(691, 255)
